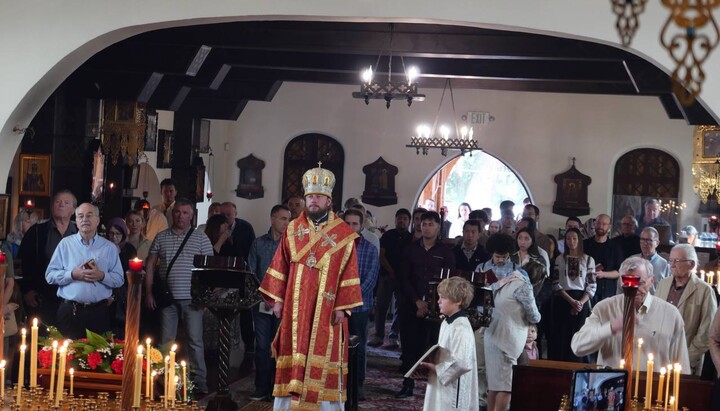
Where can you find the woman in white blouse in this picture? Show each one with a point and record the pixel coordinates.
(574, 286)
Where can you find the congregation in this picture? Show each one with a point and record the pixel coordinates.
(558, 300)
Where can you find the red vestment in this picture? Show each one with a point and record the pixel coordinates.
(313, 273)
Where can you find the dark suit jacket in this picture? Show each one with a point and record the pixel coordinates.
(242, 237)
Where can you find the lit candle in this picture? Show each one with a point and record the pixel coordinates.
(61, 373)
(52, 369)
(184, 370)
(33, 352)
(171, 374)
(649, 382)
(21, 374)
(175, 384)
(667, 385)
(2, 258)
(166, 385)
(638, 354)
(660, 384)
(2, 379)
(136, 264)
(72, 380)
(702, 275)
(672, 403)
(622, 364)
(676, 386)
(138, 376)
(23, 333)
(148, 366)
(152, 385)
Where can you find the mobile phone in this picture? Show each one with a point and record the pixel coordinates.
(89, 264)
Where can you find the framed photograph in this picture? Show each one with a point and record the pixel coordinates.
(165, 152)
(151, 131)
(706, 147)
(4, 206)
(34, 175)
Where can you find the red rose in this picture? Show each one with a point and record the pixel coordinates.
(117, 366)
(45, 358)
(94, 359)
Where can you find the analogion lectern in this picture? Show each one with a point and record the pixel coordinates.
(225, 287)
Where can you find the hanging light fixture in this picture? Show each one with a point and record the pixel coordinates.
(427, 137)
(707, 180)
(211, 173)
(389, 90)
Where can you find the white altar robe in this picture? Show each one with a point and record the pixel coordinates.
(453, 386)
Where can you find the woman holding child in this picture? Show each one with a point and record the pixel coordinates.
(514, 311)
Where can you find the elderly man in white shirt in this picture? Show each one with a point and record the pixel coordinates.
(658, 323)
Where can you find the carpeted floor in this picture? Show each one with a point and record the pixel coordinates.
(382, 381)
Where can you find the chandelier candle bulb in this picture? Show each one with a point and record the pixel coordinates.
(21, 374)
(33, 352)
(148, 366)
(52, 369)
(660, 385)
(637, 366)
(649, 382)
(72, 380)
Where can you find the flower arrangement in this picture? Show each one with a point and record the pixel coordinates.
(94, 353)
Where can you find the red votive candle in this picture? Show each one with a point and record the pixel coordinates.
(631, 280)
(136, 264)
(2, 258)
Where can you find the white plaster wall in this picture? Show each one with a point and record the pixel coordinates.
(535, 133)
(43, 42)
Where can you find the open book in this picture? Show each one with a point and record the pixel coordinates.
(429, 356)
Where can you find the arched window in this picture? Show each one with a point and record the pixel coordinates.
(303, 153)
(481, 181)
(641, 174)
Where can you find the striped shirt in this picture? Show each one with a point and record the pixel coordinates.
(368, 267)
(165, 245)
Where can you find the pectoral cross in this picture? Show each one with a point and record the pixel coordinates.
(328, 240)
(329, 297)
(300, 233)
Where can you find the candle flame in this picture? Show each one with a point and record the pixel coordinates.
(23, 347)
(153, 374)
(650, 357)
(167, 358)
(35, 322)
(182, 363)
(2, 364)
(640, 341)
(174, 348)
(677, 367)
(663, 371)
(72, 371)
(148, 341)
(177, 379)
(23, 331)
(55, 344)
(139, 349)
(66, 343)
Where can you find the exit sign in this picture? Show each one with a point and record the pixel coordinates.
(479, 117)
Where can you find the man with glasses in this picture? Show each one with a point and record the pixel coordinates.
(85, 267)
(657, 322)
(608, 257)
(649, 240)
(628, 241)
(694, 298)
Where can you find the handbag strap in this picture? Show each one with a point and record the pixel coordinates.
(177, 254)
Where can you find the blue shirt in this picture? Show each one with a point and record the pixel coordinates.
(368, 267)
(72, 253)
(262, 252)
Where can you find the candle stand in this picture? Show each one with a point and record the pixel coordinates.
(132, 334)
(630, 288)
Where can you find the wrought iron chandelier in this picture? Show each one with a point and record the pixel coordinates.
(389, 90)
(435, 137)
(689, 35)
(707, 180)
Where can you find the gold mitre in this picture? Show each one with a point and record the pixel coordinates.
(318, 180)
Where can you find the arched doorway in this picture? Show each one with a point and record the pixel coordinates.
(481, 180)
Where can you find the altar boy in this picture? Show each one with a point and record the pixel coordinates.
(451, 384)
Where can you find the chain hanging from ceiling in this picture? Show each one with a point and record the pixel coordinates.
(689, 34)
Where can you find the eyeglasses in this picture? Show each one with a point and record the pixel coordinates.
(112, 234)
(647, 240)
(677, 260)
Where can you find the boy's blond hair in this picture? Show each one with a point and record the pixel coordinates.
(457, 290)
